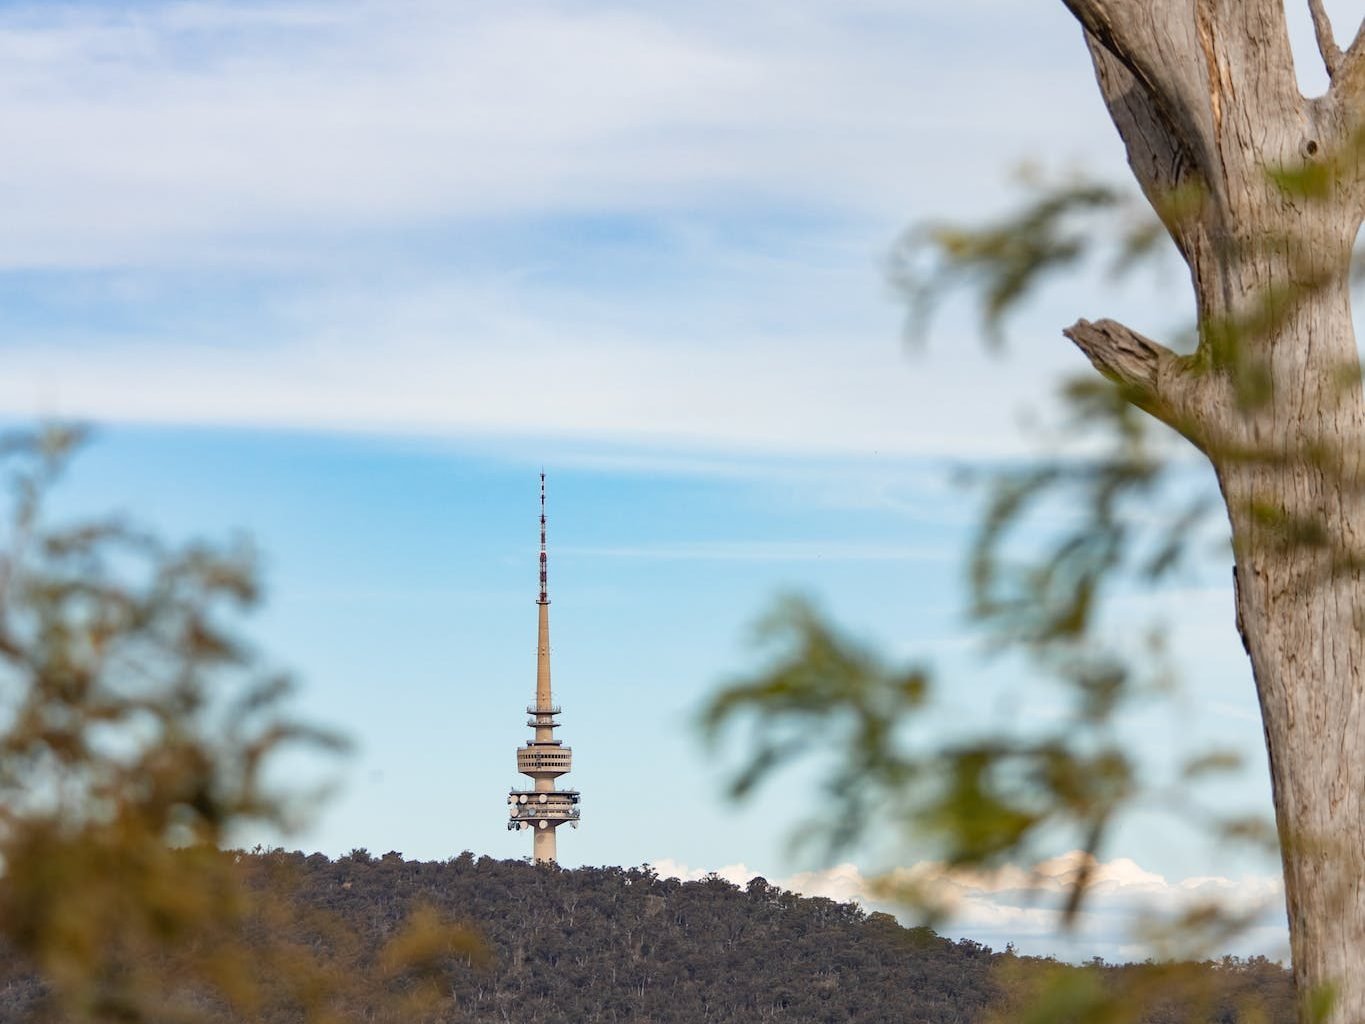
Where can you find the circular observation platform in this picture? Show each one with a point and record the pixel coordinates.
(544, 759)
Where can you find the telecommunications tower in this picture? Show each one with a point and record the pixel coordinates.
(543, 808)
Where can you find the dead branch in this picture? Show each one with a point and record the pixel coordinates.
(1153, 377)
(1327, 44)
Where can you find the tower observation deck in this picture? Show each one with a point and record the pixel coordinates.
(543, 808)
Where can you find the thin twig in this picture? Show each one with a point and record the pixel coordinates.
(1359, 42)
(1348, 83)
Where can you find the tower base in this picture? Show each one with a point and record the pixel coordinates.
(543, 846)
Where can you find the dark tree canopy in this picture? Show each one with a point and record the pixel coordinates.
(624, 945)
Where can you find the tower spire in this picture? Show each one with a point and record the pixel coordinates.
(544, 560)
(544, 758)
(543, 698)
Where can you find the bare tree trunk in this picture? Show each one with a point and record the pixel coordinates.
(1297, 527)
(1261, 189)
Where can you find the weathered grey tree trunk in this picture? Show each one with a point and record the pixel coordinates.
(1263, 193)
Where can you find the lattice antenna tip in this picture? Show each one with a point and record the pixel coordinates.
(544, 560)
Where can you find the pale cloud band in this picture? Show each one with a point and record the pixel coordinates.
(1023, 908)
(148, 129)
(361, 197)
(330, 153)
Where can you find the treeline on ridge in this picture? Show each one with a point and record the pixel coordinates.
(623, 945)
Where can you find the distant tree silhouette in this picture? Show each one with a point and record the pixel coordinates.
(624, 945)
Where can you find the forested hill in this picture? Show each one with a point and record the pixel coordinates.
(624, 945)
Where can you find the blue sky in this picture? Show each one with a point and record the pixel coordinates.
(345, 275)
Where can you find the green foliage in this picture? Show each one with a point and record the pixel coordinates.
(977, 799)
(1004, 261)
(622, 944)
(136, 729)
(1057, 536)
(1253, 991)
(818, 679)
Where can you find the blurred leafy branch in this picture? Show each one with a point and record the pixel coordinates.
(1061, 225)
(137, 731)
(1107, 508)
(980, 800)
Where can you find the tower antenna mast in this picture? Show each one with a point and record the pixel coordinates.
(544, 558)
(543, 808)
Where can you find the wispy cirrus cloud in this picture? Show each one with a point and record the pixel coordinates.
(144, 129)
(477, 368)
(768, 551)
(408, 217)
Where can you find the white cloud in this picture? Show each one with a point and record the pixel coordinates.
(145, 131)
(294, 143)
(736, 874)
(487, 366)
(1013, 905)
(300, 143)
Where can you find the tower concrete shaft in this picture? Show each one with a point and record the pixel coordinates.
(543, 699)
(543, 808)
